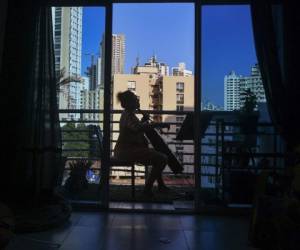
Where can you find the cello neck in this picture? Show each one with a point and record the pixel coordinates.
(146, 116)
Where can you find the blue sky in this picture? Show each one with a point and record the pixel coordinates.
(168, 31)
(92, 30)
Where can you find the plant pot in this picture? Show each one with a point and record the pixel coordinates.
(76, 182)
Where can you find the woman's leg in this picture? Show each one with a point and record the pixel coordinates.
(147, 156)
(161, 184)
(158, 162)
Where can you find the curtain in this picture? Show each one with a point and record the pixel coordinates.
(276, 31)
(32, 131)
(41, 145)
(3, 9)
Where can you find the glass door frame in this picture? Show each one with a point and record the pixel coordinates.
(108, 5)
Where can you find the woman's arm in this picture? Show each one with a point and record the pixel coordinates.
(133, 123)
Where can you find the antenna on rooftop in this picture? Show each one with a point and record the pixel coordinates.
(138, 60)
(153, 57)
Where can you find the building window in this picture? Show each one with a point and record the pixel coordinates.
(179, 98)
(131, 85)
(180, 87)
(179, 108)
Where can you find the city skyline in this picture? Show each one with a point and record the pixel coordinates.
(227, 39)
(235, 85)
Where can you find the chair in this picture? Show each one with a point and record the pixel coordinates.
(114, 162)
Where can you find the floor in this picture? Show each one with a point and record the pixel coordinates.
(175, 205)
(140, 231)
(121, 193)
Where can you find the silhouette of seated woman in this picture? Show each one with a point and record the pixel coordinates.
(132, 144)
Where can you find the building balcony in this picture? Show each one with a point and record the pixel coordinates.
(155, 106)
(224, 158)
(155, 93)
(156, 101)
(156, 84)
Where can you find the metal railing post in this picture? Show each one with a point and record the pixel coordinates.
(197, 105)
(222, 162)
(105, 165)
(217, 156)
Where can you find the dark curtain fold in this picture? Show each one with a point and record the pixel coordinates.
(32, 130)
(41, 145)
(3, 9)
(276, 34)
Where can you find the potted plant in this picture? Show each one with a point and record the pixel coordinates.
(77, 180)
(248, 117)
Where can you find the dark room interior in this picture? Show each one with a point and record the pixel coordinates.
(228, 178)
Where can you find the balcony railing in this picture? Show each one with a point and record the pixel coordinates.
(219, 146)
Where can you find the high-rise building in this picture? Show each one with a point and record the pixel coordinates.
(232, 91)
(85, 83)
(99, 71)
(92, 74)
(255, 84)
(235, 84)
(118, 55)
(67, 23)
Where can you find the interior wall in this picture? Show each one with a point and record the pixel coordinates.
(3, 8)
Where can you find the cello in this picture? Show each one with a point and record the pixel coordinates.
(159, 145)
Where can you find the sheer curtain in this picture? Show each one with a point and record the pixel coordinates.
(31, 132)
(276, 34)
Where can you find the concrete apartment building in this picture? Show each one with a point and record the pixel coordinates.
(235, 84)
(255, 84)
(118, 55)
(67, 29)
(92, 73)
(232, 91)
(92, 99)
(158, 91)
